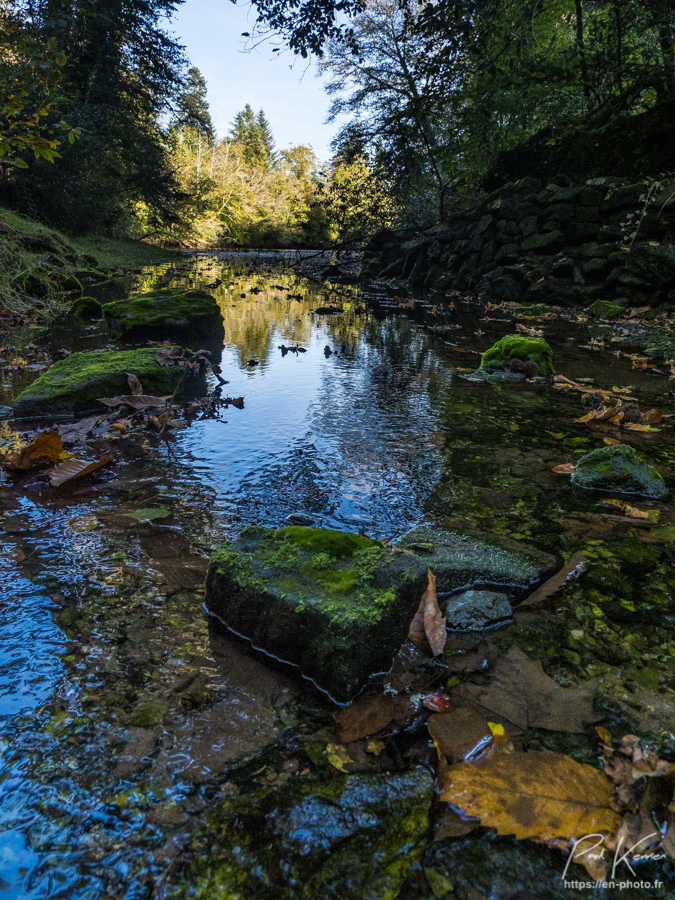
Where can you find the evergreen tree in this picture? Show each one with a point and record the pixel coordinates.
(254, 136)
(192, 108)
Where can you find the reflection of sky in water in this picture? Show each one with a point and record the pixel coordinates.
(342, 438)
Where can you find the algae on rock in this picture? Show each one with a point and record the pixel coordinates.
(618, 469)
(171, 312)
(75, 384)
(353, 837)
(337, 605)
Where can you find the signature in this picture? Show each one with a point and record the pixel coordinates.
(584, 847)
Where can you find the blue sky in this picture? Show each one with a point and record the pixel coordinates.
(283, 85)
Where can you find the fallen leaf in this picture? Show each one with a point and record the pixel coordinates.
(523, 695)
(452, 825)
(338, 757)
(135, 385)
(537, 795)
(639, 364)
(371, 714)
(76, 468)
(570, 570)
(439, 701)
(611, 442)
(564, 469)
(149, 514)
(44, 450)
(135, 401)
(75, 432)
(461, 734)
(428, 625)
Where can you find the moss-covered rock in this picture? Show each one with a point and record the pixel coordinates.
(85, 310)
(534, 350)
(173, 312)
(604, 309)
(618, 469)
(75, 384)
(337, 605)
(463, 560)
(353, 837)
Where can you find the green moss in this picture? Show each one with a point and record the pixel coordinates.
(173, 310)
(76, 383)
(337, 604)
(514, 347)
(85, 310)
(603, 309)
(618, 469)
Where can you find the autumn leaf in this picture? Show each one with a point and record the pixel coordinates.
(639, 426)
(523, 695)
(428, 624)
(76, 432)
(439, 701)
(338, 757)
(76, 468)
(44, 450)
(460, 734)
(571, 568)
(537, 796)
(135, 401)
(564, 469)
(135, 385)
(371, 714)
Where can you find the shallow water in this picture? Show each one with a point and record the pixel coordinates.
(123, 712)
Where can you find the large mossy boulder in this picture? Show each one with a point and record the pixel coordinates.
(172, 312)
(618, 469)
(76, 383)
(501, 355)
(461, 560)
(354, 837)
(337, 605)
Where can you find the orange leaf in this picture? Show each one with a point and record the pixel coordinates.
(428, 622)
(572, 568)
(564, 469)
(46, 449)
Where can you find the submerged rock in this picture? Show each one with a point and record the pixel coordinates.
(604, 309)
(173, 312)
(618, 469)
(75, 384)
(86, 310)
(459, 560)
(337, 605)
(531, 356)
(353, 837)
(475, 610)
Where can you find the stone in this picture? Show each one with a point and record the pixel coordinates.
(544, 243)
(528, 225)
(618, 469)
(500, 355)
(75, 384)
(86, 310)
(460, 560)
(474, 610)
(603, 309)
(172, 312)
(337, 605)
(354, 836)
(654, 263)
(594, 269)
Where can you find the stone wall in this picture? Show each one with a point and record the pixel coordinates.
(558, 243)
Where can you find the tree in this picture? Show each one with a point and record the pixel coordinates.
(192, 108)
(120, 76)
(255, 137)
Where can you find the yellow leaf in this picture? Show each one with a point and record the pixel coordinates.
(338, 757)
(604, 735)
(45, 449)
(610, 441)
(537, 795)
(497, 730)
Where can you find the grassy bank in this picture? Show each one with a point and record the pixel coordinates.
(38, 265)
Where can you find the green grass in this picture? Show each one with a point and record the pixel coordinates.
(38, 264)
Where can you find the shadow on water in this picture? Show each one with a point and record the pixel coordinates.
(123, 714)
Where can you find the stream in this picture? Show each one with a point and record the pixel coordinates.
(127, 716)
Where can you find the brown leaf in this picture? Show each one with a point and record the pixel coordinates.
(439, 701)
(523, 695)
(75, 432)
(76, 468)
(135, 385)
(168, 356)
(571, 569)
(44, 450)
(237, 402)
(637, 426)
(564, 469)
(461, 734)
(135, 401)
(428, 624)
(452, 825)
(371, 714)
(537, 795)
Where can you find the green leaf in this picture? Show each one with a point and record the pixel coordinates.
(60, 58)
(149, 514)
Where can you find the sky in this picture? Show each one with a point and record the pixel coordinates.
(283, 85)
